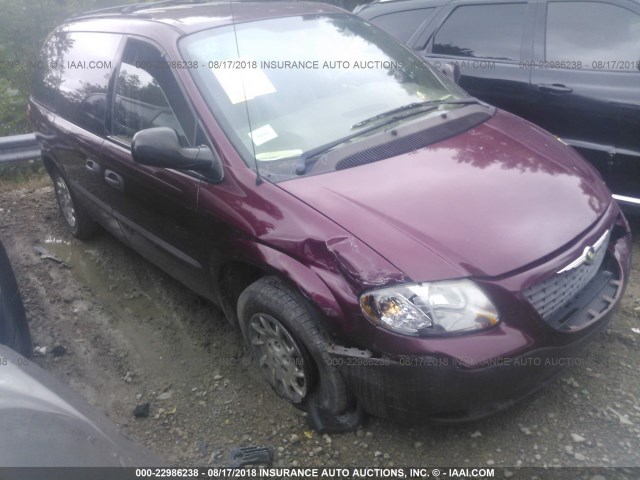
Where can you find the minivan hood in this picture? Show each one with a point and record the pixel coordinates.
(489, 201)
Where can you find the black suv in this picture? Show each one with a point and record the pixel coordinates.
(572, 67)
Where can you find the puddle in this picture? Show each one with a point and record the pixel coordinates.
(102, 273)
(148, 309)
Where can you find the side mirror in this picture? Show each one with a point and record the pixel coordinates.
(452, 71)
(160, 147)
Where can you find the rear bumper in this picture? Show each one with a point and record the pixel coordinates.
(449, 388)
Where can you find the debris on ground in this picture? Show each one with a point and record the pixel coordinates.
(40, 351)
(58, 351)
(141, 410)
(47, 255)
(243, 456)
(165, 395)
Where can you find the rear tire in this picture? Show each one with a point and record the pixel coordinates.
(75, 216)
(283, 333)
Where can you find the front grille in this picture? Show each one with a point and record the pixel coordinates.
(550, 295)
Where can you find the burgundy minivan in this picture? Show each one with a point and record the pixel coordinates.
(386, 243)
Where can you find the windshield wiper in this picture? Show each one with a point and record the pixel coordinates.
(410, 109)
(433, 104)
(305, 157)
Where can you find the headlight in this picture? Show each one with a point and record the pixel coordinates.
(435, 308)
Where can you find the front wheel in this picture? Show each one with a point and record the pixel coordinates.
(286, 340)
(282, 360)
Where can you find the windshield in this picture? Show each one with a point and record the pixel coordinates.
(292, 85)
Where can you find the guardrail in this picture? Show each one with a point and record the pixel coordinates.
(19, 147)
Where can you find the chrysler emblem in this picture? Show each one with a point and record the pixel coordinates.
(589, 255)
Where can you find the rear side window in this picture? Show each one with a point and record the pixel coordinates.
(147, 96)
(402, 24)
(86, 63)
(599, 35)
(482, 31)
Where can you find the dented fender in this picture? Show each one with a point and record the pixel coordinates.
(337, 272)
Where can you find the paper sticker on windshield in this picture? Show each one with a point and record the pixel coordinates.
(242, 81)
(278, 155)
(263, 135)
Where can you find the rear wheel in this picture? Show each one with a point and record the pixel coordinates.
(76, 218)
(285, 337)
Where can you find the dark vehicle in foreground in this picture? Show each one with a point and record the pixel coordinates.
(569, 66)
(385, 242)
(42, 422)
(14, 329)
(45, 424)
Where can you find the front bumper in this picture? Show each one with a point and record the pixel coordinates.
(413, 389)
(448, 385)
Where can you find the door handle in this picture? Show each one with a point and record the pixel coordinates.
(93, 166)
(113, 179)
(554, 88)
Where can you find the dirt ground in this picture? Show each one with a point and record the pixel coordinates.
(131, 335)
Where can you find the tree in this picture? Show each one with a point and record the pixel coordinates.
(23, 28)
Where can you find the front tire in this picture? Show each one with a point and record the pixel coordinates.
(77, 219)
(283, 333)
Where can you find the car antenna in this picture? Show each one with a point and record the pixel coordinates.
(246, 101)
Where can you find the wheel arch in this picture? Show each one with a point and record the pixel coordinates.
(233, 276)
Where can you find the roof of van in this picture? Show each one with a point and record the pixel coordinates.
(192, 17)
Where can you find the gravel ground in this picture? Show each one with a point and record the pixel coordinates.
(130, 334)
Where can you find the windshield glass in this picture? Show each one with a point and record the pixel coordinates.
(292, 85)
